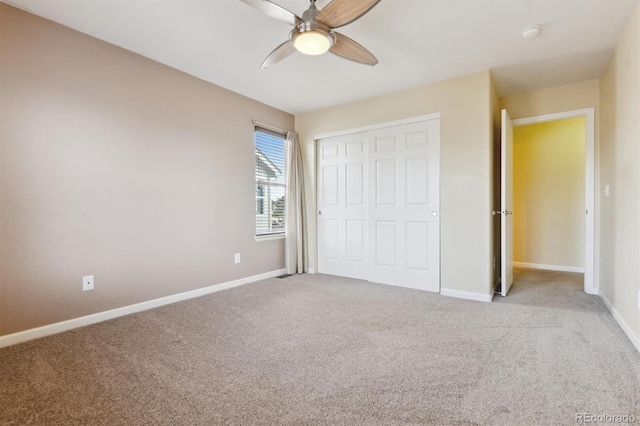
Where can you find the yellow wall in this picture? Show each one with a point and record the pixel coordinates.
(548, 196)
(620, 237)
(465, 167)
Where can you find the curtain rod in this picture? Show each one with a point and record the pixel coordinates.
(269, 127)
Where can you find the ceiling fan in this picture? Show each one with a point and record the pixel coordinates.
(314, 34)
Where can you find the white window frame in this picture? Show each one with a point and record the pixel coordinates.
(280, 234)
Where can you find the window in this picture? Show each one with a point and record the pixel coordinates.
(271, 181)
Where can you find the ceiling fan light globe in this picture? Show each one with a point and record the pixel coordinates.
(312, 42)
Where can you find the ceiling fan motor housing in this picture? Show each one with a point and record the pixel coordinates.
(312, 36)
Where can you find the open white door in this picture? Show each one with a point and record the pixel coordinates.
(506, 276)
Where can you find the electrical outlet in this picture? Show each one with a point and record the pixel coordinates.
(87, 283)
(607, 190)
(236, 258)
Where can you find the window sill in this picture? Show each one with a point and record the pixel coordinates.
(269, 237)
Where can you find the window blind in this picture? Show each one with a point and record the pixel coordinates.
(271, 181)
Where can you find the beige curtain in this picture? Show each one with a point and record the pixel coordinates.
(296, 261)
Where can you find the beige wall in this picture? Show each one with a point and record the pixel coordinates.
(465, 166)
(620, 105)
(117, 166)
(548, 193)
(552, 100)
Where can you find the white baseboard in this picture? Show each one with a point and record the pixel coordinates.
(59, 327)
(548, 267)
(466, 295)
(311, 270)
(623, 325)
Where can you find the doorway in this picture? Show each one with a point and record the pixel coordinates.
(548, 170)
(554, 194)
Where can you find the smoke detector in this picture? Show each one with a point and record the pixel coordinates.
(531, 32)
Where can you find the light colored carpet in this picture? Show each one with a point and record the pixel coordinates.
(315, 350)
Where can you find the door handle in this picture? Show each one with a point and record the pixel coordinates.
(505, 212)
(434, 213)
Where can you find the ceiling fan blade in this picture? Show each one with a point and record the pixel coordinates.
(278, 54)
(274, 11)
(339, 13)
(349, 49)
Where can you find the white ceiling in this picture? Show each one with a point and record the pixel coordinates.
(416, 41)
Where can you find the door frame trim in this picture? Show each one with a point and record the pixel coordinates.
(377, 126)
(590, 254)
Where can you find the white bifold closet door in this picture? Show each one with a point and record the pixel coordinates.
(342, 229)
(378, 205)
(404, 210)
